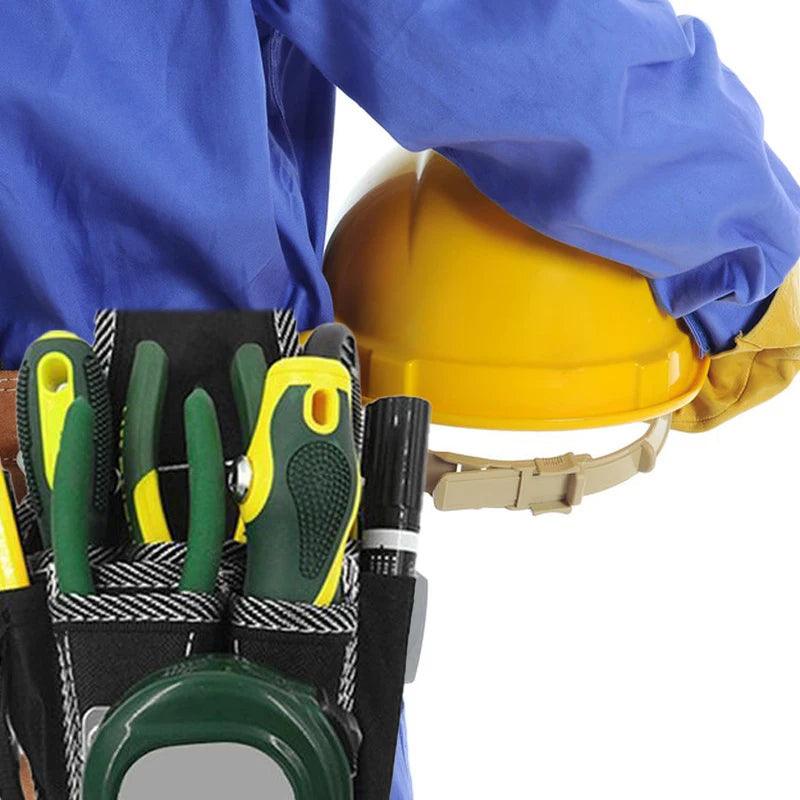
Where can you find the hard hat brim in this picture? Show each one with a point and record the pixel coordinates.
(534, 398)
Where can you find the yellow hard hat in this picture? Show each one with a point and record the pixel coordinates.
(452, 299)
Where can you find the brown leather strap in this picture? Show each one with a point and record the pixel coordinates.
(26, 778)
(8, 430)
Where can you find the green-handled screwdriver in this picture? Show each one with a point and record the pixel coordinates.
(72, 500)
(304, 486)
(58, 368)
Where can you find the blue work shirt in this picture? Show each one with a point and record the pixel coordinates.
(175, 154)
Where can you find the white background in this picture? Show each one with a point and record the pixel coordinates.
(648, 645)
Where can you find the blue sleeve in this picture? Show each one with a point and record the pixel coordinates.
(402, 788)
(609, 125)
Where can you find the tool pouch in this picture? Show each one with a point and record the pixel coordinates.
(136, 623)
(354, 651)
(67, 658)
(304, 642)
(385, 615)
(31, 715)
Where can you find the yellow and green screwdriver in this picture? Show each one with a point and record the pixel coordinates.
(300, 485)
(58, 368)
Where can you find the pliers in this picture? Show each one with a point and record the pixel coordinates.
(141, 426)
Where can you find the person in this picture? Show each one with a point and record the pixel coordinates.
(176, 154)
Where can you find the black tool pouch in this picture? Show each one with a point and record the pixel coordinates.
(200, 346)
(315, 645)
(354, 651)
(136, 623)
(66, 658)
(385, 613)
(30, 699)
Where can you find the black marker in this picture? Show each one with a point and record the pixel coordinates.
(394, 462)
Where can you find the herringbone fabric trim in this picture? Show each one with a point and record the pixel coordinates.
(105, 330)
(26, 517)
(43, 561)
(144, 607)
(72, 723)
(141, 575)
(280, 616)
(351, 586)
(286, 332)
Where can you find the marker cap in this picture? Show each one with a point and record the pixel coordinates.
(394, 463)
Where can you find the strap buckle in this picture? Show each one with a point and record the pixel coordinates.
(569, 467)
(541, 485)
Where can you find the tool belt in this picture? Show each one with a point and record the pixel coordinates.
(323, 684)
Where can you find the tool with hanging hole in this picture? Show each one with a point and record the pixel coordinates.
(58, 368)
(13, 569)
(336, 341)
(304, 485)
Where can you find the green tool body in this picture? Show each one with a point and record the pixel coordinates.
(141, 428)
(72, 497)
(222, 699)
(207, 492)
(58, 368)
(248, 373)
(305, 480)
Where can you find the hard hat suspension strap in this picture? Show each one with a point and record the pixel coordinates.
(541, 485)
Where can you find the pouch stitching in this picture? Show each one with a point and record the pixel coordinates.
(72, 731)
(351, 580)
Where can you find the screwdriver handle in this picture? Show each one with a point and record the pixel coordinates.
(305, 489)
(13, 569)
(58, 368)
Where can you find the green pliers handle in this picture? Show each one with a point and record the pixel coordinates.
(206, 492)
(72, 500)
(305, 487)
(58, 368)
(141, 429)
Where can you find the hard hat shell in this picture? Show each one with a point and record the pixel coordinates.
(454, 300)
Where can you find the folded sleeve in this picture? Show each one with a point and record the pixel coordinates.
(612, 126)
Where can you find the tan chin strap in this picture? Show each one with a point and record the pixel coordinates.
(542, 485)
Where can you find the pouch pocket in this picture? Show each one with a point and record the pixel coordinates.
(30, 695)
(136, 623)
(304, 642)
(386, 606)
(315, 645)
